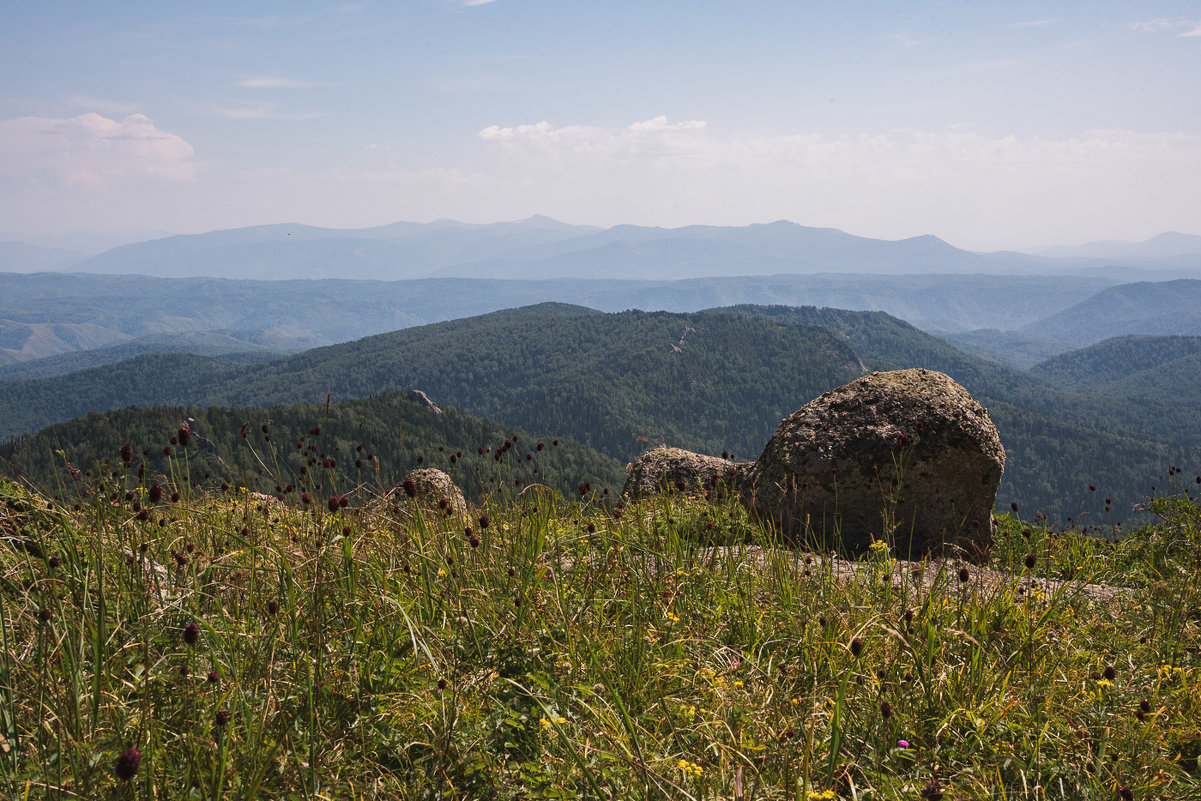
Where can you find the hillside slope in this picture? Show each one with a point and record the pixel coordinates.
(712, 381)
(269, 449)
(1160, 308)
(1146, 367)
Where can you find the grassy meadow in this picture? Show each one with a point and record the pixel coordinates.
(162, 641)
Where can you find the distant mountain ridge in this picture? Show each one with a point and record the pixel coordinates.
(1167, 244)
(544, 248)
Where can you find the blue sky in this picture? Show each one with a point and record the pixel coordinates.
(992, 125)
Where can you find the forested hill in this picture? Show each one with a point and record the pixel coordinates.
(367, 444)
(1059, 440)
(713, 381)
(706, 381)
(1165, 368)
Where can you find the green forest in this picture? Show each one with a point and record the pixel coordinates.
(359, 448)
(714, 381)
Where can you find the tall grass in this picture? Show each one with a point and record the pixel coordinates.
(542, 647)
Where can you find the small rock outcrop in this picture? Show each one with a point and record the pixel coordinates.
(429, 489)
(420, 397)
(676, 469)
(907, 456)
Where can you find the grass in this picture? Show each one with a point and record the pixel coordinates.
(543, 647)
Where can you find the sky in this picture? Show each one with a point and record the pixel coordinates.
(991, 125)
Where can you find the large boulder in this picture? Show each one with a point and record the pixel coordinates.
(905, 456)
(430, 490)
(675, 469)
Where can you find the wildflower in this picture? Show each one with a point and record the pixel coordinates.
(824, 795)
(1110, 673)
(184, 436)
(964, 575)
(410, 487)
(1030, 561)
(795, 701)
(45, 614)
(738, 684)
(885, 710)
(333, 503)
(127, 764)
(273, 608)
(1104, 684)
(903, 744)
(856, 647)
(443, 684)
(191, 634)
(221, 718)
(127, 454)
(691, 770)
(214, 677)
(54, 562)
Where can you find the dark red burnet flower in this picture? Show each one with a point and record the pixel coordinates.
(128, 764)
(127, 454)
(856, 647)
(410, 487)
(221, 719)
(184, 436)
(191, 634)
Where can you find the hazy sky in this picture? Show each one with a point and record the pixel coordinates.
(992, 125)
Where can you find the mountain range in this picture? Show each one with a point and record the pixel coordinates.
(543, 248)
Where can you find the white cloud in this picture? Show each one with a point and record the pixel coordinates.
(472, 3)
(653, 136)
(905, 40)
(974, 187)
(92, 150)
(1161, 24)
(268, 112)
(274, 82)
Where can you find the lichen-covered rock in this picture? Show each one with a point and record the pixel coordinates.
(905, 456)
(429, 489)
(675, 469)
